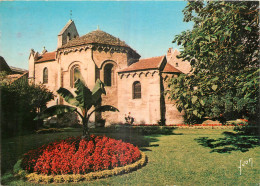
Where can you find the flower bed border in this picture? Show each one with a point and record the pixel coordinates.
(67, 178)
(181, 125)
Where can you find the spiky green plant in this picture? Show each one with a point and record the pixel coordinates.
(84, 100)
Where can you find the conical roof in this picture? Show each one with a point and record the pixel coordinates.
(97, 36)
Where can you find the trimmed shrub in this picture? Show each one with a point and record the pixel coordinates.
(142, 130)
(49, 130)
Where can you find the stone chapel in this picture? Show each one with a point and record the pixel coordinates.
(132, 84)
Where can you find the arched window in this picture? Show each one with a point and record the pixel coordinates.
(108, 74)
(45, 75)
(74, 75)
(137, 94)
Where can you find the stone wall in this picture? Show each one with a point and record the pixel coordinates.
(172, 115)
(119, 61)
(101, 56)
(86, 64)
(52, 84)
(111, 98)
(145, 110)
(183, 66)
(31, 67)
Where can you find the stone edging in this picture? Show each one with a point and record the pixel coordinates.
(66, 178)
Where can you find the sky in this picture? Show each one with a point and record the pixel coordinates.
(146, 26)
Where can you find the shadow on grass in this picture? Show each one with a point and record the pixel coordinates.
(141, 136)
(141, 141)
(142, 130)
(8, 178)
(231, 142)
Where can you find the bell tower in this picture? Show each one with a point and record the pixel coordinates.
(68, 33)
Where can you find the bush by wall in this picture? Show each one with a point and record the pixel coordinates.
(19, 105)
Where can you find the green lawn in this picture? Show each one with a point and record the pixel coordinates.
(187, 157)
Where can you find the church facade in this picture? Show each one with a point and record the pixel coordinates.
(133, 85)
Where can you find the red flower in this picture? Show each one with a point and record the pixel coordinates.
(79, 156)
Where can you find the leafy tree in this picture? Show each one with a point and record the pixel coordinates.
(20, 103)
(3, 79)
(223, 48)
(84, 100)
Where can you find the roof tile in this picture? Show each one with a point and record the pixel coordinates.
(97, 36)
(169, 68)
(144, 64)
(48, 56)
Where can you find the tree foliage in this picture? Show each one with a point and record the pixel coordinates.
(84, 100)
(223, 48)
(20, 103)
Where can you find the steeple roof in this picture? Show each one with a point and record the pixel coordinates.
(66, 26)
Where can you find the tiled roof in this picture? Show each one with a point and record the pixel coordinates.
(169, 68)
(97, 36)
(13, 77)
(48, 56)
(144, 64)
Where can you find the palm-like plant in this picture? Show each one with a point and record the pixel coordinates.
(84, 100)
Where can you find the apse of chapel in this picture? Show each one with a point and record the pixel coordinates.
(85, 63)
(84, 59)
(101, 56)
(100, 53)
(66, 51)
(66, 59)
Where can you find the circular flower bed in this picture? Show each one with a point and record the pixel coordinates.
(80, 156)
